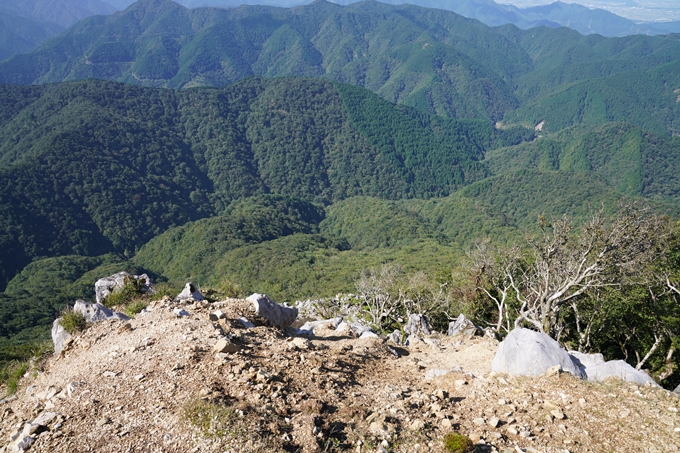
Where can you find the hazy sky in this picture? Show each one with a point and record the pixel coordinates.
(643, 10)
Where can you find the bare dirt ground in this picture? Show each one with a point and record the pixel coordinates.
(157, 386)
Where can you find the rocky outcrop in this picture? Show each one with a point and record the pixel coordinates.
(525, 352)
(97, 312)
(60, 337)
(597, 369)
(418, 325)
(276, 315)
(91, 312)
(190, 291)
(105, 286)
(463, 326)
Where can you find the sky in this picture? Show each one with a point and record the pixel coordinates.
(642, 10)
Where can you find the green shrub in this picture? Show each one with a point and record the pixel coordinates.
(11, 374)
(131, 289)
(73, 321)
(135, 307)
(213, 420)
(458, 443)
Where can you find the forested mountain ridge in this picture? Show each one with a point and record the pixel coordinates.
(92, 167)
(436, 61)
(433, 59)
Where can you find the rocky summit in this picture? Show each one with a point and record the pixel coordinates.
(195, 376)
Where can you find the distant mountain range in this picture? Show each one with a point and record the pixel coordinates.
(434, 60)
(24, 25)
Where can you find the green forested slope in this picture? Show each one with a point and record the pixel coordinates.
(630, 159)
(433, 60)
(94, 167)
(430, 58)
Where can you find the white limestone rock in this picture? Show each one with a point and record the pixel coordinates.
(525, 352)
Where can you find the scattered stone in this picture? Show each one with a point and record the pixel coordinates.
(180, 312)
(525, 352)
(190, 292)
(103, 421)
(302, 343)
(217, 315)
(277, 315)
(396, 337)
(446, 423)
(127, 327)
(109, 374)
(463, 326)
(494, 422)
(558, 414)
(225, 346)
(368, 334)
(245, 323)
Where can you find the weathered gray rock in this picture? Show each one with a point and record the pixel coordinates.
(677, 390)
(92, 312)
(180, 312)
(358, 329)
(277, 315)
(245, 323)
(308, 327)
(596, 369)
(418, 325)
(396, 337)
(190, 291)
(105, 286)
(525, 352)
(60, 337)
(463, 326)
(97, 312)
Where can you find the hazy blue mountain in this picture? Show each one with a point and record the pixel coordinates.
(60, 12)
(21, 35)
(435, 60)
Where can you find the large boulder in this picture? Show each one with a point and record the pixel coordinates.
(105, 286)
(277, 315)
(189, 292)
(60, 337)
(418, 325)
(525, 352)
(596, 369)
(463, 326)
(97, 312)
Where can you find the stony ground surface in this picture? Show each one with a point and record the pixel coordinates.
(156, 385)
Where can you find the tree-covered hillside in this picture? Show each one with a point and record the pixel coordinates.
(95, 167)
(434, 60)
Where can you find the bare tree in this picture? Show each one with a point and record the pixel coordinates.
(562, 267)
(379, 294)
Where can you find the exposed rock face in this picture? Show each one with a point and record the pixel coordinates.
(97, 312)
(277, 315)
(189, 292)
(60, 337)
(528, 353)
(418, 325)
(92, 313)
(463, 326)
(105, 286)
(596, 369)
